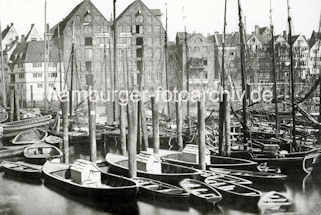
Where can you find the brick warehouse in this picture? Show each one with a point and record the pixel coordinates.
(140, 45)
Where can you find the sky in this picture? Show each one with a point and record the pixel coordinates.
(204, 16)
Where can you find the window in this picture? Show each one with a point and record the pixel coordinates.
(36, 65)
(139, 53)
(39, 86)
(137, 29)
(53, 75)
(139, 41)
(88, 66)
(139, 66)
(21, 75)
(88, 41)
(205, 62)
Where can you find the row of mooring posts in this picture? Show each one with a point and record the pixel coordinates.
(129, 146)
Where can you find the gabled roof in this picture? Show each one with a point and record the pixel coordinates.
(6, 30)
(294, 38)
(64, 22)
(315, 36)
(154, 12)
(231, 40)
(33, 52)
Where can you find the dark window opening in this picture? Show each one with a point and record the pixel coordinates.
(139, 41)
(88, 41)
(137, 29)
(139, 53)
(88, 66)
(205, 62)
(139, 66)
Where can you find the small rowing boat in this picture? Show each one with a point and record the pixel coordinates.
(83, 178)
(11, 151)
(11, 129)
(150, 168)
(210, 174)
(274, 201)
(21, 169)
(256, 177)
(233, 192)
(30, 136)
(40, 153)
(157, 190)
(200, 193)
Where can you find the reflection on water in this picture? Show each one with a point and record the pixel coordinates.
(19, 198)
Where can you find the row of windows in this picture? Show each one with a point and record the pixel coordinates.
(50, 64)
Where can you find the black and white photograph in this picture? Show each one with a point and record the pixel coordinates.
(157, 107)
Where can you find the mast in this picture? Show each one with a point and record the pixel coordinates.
(3, 79)
(115, 57)
(59, 56)
(72, 69)
(318, 51)
(105, 72)
(46, 47)
(166, 62)
(222, 110)
(243, 73)
(274, 74)
(292, 80)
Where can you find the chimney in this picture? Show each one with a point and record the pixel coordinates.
(23, 39)
(285, 35)
(11, 24)
(257, 30)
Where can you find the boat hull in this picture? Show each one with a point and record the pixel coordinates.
(35, 175)
(189, 159)
(125, 194)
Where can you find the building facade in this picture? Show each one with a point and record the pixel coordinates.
(27, 72)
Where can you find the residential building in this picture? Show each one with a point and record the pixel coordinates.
(300, 57)
(27, 73)
(201, 63)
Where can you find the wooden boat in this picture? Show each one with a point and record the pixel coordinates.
(256, 177)
(235, 193)
(11, 129)
(21, 169)
(190, 160)
(200, 193)
(53, 140)
(40, 153)
(287, 164)
(166, 172)
(97, 185)
(274, 201)
(11, 151)
(157, 190)
(224, 177)
(30, 136)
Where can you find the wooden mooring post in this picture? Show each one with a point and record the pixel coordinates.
(65, 108)
(201, 134)
(92, 124)
(227, 125)
(123, 132)
(179, 124)
(17, 103)
(132, 138)
(12, 104)
(155, 113)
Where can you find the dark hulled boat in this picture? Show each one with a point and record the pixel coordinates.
(40, 153)
(103, 187)
(256, 177)
(224, 177)
(235, 193)
(159, 191)
(30, 136)
(200, 193)
(21, 170)
(11, 129)
(168, 173)
(190, 160)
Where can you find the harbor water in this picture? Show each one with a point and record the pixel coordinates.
(19, 197)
